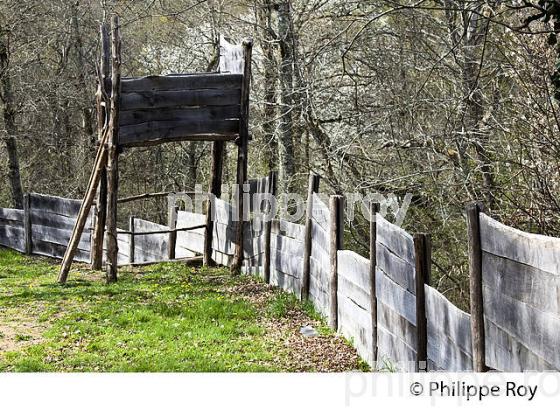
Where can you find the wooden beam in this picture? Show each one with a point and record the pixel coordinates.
(422, 249)
(373, 210)
(131, 249)
(475, 284)
(215, 192)
(312, 187)
(102, 103)
(113, 155)
(336, 207)
(172, 223)
(272, 179)
(243, 143)
(27, 227)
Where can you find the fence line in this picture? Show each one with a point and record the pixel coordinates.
(377, 309)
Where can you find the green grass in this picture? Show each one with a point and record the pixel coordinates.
(166, 317)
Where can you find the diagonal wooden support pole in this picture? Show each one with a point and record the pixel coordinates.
(99, 166)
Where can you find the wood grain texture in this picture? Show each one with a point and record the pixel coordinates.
(449, 333)
(55, 204)
(398, 269)
(8, 214)
(159, 131)
(320, 213)
(401, 356)
(354, 323)
(179, 98)
(538, 331)
(58, 236)
(538, 251)
(196, 81)
(537, 288)
(395, 297)
(193, 114)
(399, 326)
(354, 279)
(505, 353)
(12, 237)
(396, 239)
(289, 229)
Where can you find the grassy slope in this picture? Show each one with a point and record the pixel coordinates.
(166, 317)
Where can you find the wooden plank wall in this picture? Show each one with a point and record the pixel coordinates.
(396, 301)
(286, 262)
(12, 233)
(449, 334)
(158, 109)
(520, 284)
(355, 303)
(152, 247)
(320, 258)
(190, 243)
(52, 221)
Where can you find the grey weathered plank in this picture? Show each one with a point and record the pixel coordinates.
(154, 245)
(319, 237)
(55, 250)
(399, 270)
(538, 288)
(395, 297)
(449, 333)
(320, 213)
(392, 348)
(505, 353)
(541, 252)
(55, 204)
(40, 217)
(445, 317)
(161, 99)
(287, 263)
(285, 281)
(192, 114)
(289, 229)
(181, 82)
(287, 245)
(231, 57)
(539, 331)
(396, 239)
(397, 324)
(8, 214)
(355, 324)
(12, 237)
(192, 241)
(138, 134)
(58, 236)
(353, 278)
(222, 212)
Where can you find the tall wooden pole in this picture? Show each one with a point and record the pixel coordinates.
(313, 187)
(215, 192)
(242, 144)
(172, 224)
(132, 246)
(102, 113)
(475, 282)
(271, 189)
(28, 229)
(113, 155)
(423, 252)
(336, 206)
(373, 210)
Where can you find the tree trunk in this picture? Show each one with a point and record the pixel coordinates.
(8, 113)
(285, 141)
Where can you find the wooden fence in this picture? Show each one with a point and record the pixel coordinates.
(384, 304)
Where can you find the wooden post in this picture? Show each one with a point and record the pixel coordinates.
(131, 249)
(242, 143)
(373, 210)
(336, 206)
(172, 223)
(215, 192)
(268, 227)
(113, 155)
(28, 229)
(475, 282)
(98, 236)
(313, 187)
(422, 251)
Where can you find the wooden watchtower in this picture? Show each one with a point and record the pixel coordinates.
(146, 111)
